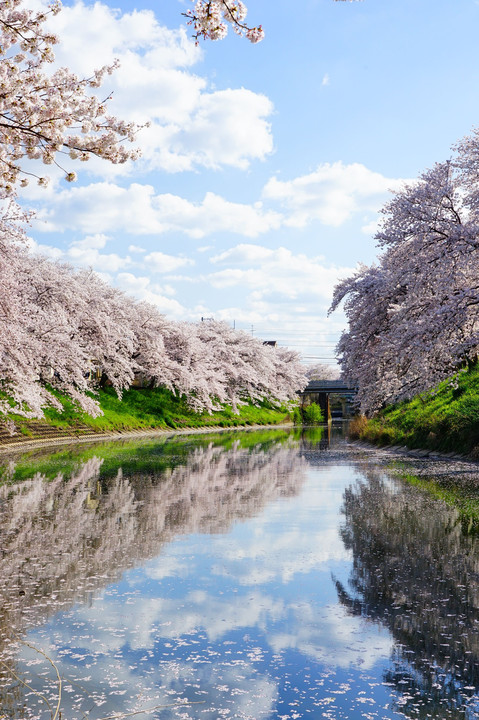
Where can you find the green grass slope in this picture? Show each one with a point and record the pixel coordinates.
(143, 409)
(445, 419)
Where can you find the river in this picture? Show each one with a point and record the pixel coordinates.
(247, 575)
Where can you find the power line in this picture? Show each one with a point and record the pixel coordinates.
(307, 344)
(327, 336)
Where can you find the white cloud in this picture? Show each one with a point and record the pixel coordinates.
(99, 261)
(276, 270)
(101, 207)
(330, 194)
(371, 227)
(229, 127)
(86, 253)
(162, 263)
(107, 31)
(191, 124)
(159, 295)
(92, 242)
(105, 207)
(244, 253)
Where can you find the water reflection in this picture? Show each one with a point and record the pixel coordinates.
(63, 538)
(254, 576)
(415, 570)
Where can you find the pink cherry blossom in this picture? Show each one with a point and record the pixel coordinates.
(414, 316)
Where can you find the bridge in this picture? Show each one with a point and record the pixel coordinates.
(335, 397)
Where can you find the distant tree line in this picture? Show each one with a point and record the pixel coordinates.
(67, 329)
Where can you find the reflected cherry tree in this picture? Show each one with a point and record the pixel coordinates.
(416, 571)
(63, 539)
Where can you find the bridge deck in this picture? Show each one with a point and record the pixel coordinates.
(330, 386)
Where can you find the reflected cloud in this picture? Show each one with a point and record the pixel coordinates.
(334, 638)
(65, 538)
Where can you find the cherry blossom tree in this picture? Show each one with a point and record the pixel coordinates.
(17, 348)
(153, 360)
(58, 327)
(219, 365)
(361, 347)
(413, 318)
(321, 371)
(62, 329)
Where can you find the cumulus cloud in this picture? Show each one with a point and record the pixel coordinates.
(244, 253)
(86, 253)
(330, 194)
(143, 288)
(371, 227)
(229, 127)
(191, 124)
(277, 270)
(106, 207)
(162, 263)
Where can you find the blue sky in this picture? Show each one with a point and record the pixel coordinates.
(265, 166)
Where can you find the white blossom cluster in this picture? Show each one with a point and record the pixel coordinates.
(320, 371)
(211, 18)
(44, 115)
(414, 316)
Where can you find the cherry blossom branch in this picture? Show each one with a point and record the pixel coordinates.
(210, 19)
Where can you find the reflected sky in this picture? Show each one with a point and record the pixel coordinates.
(233, 585)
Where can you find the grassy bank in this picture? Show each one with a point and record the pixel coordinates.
(445, 419)
(143, 409)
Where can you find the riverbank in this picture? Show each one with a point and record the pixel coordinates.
(26, 444)
(140, 412)
(446, 419)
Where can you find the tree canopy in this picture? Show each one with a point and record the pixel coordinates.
(413, 316)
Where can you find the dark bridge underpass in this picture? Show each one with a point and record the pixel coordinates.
(335, 397)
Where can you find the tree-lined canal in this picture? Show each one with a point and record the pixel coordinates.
(249, 575)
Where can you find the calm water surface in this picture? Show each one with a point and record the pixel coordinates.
(250, 575)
